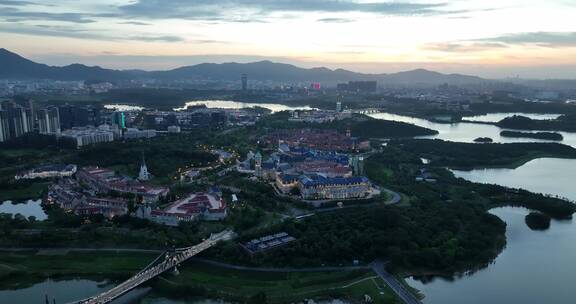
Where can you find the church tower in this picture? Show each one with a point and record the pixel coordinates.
(144, 175)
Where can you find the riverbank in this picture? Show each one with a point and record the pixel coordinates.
(196, 278)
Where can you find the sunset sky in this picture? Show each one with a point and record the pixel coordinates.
(491, 38)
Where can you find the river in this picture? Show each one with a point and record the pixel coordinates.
(70, 290)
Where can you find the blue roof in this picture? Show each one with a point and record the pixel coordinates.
(287, 178)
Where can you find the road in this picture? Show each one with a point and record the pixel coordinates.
(401, 291)
(283, 269)
(395, 199)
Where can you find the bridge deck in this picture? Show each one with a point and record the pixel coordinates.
(169, 261)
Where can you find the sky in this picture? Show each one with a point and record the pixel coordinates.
(489, 38)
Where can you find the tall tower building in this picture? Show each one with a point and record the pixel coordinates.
(144, 175)
(118, 119)
(338, 106)
(244, 79)
(258, 164)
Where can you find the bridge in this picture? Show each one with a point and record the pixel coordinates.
(166, 261)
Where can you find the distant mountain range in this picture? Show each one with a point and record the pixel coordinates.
(14, 66)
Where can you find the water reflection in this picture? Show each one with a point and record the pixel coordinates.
(29, 208)
(226, 104)
(536, 267)
(553, 176)
(467, 132)
(65, 291)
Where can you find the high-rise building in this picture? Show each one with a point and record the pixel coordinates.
(49, 121)
(119, 119)
(338, 106)
(4, 126)
(244, 82)
(17, 120)
(75, 116)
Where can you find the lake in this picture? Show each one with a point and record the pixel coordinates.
(536, 267)
(552, 176)
(29, 208)
(467, 132)
(227, 104)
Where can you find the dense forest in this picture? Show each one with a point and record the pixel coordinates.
(163, 155)
(534, 135)
(360, 126)
(563, 123)
(469, 155)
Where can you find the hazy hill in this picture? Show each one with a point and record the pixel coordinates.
(13, 66)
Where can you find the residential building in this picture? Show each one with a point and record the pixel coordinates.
(48, 121)
(84, 136)
(15, 120)
(197, 206)
(105, 180)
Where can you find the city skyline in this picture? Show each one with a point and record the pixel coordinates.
(494, 39)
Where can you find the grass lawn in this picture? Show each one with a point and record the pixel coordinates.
(34, 191)
(283, 287)
(20, 269)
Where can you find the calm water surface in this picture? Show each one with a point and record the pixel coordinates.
(62, 291)
(552, 176)
(536, 267)
(29, 208)
(227, 104)
(467, 132)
